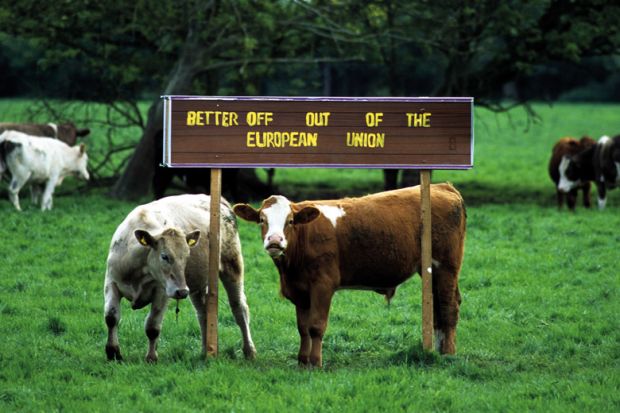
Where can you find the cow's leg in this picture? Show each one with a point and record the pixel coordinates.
(303, 326)
(35, 193)
(241, 312)
(560, 198)
(112, 314)
(17, 182)
(320, 302)
(446, 304)
(390, 179)
(602, 195)
(46, 198)
(152, 324)
(199, 300)
(586, 195)
(571, 199)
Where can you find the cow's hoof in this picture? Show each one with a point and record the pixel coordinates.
(249, 353)
(151, 358)
(113, 353)
(303, 360)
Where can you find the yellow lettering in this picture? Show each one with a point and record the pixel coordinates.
(280, 139)
(419, 120)
(259, 118)
(374, 118)
(191, 118)
(250, 143)
(250, 118)
(365, 140)
(199, 118)
(317, 118)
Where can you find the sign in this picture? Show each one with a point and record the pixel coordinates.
(221, 132)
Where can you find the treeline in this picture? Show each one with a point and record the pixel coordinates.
(487, 49)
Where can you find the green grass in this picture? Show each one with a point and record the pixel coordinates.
(539, 319)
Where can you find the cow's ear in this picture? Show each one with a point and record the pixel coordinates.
(192, 238)
(82, 149)
(247, 212)
(82, 132)
(144, 238)
(306, 215)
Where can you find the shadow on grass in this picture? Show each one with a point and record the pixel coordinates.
(416, 356)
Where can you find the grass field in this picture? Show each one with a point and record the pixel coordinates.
(539, 326)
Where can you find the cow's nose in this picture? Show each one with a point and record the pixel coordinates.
(274, 239)
(181, 293)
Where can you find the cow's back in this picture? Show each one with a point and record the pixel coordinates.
(42, 156)
(184, 212)
(378, 237)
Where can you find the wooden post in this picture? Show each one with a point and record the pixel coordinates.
(426, 261)
(214, 261)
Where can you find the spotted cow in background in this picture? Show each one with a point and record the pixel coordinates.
(562, 150)
(371, 243)
(599, 163)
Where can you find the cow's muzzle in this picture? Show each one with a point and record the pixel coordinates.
(275, 250)
(181, 293)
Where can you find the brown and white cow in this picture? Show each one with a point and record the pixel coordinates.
(567, 147)
(372, 243)
(41, 162)
(160, 251)
(599, 163)
(66, 132)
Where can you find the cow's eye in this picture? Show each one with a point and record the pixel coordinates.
(261, 221)
(290, 221)
(165, 257)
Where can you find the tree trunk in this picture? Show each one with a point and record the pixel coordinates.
(136, 180)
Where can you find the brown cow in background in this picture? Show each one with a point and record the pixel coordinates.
(368, 243)
(66, 132)
(568, 147)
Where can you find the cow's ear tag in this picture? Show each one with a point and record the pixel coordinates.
(191, 242)
(143, 241)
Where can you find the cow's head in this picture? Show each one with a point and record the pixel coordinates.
(81, 162)
(167, 258)
(68, 133)
(570, 173)
(277, 220)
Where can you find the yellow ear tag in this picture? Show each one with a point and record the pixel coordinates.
(143, 241)
(191, 242)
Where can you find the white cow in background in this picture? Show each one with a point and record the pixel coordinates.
(40, 161)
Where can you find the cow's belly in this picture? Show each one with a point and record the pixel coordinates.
(372, 277)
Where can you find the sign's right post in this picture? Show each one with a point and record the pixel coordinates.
(426, 260)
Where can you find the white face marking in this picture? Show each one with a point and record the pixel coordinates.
(603, 140)
(331, 212)
(602, 202)
(439, 338)
(565, 184)
(275, 216)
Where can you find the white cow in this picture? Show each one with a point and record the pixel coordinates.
(160, 251)
(40, 161)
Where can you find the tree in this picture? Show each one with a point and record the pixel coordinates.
(436, 48)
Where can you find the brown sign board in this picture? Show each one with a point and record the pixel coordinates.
(223, 132)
